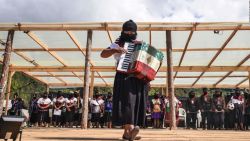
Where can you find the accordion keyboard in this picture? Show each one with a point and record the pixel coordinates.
(125, 58)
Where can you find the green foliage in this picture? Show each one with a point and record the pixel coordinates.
(25, 86)
(103, 90)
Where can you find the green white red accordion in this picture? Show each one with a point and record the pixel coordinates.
(142, 61)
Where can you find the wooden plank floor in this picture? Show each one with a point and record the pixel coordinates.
(66, 134)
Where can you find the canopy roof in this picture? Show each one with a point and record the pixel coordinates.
(204, 54)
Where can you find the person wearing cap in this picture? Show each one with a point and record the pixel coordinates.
(205, 106)
(129, 93)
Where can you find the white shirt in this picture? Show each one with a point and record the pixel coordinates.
(60, 100)
(43, 101)
(234, 101)
(95, 106)
(176, 102)
(72, 100)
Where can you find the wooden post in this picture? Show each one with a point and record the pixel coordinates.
(8, 91)
(5, 69)
(86, 81)
(249, 81)
(47, 89)
(170, 79)
(91, 91)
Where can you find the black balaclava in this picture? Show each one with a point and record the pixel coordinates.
(237, 92)
(191, 94)
(205, 91)
(156, 96)
(217, 93)
(45, 95)
(128, 26)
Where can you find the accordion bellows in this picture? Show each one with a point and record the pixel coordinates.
(145, 61)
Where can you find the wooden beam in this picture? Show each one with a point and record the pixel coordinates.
(5, 67)
(241, 82)
(116, 26)
(108, 32)
(113, 68)
(219, 51)
(99, 49)
(150, 35)
(184, 51)
(238, 66)
(112, 76)
(170, 79)
(36, 64)
(8, 92)
(45, 47)
(153, 85)
(80, 48)
(86, 82)
(38, 79)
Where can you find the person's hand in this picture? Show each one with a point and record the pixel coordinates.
(137, 42)
(119, 50)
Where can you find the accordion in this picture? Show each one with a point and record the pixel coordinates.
(141, 61)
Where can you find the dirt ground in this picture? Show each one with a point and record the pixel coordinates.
(67, 134)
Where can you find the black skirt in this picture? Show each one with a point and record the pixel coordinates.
(129, 100)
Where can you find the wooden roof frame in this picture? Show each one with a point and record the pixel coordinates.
(116, 26)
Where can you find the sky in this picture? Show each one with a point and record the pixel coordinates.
(121, 10)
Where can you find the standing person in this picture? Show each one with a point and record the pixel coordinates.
(177, 104)
(44, 103)
(129, 99)
(229, 112)
(78, 112)
(59, 102)
(108, 111)
(218, 106)
(33, 111)
(247, 111)
(14, 101)
(192, 110)
(70, 110)
(239, 109)
(205, 106)
(96, 108)
(156, 110)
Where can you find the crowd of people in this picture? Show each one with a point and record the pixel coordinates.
(216, 111)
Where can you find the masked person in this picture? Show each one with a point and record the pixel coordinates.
(205, 106)
(33, 109)
(59, 102)
(44, 103)
(70, 110)
(192, 110)
(239, 109)
(129, 93)
(218, 106)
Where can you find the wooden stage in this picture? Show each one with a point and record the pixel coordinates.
(67, 134)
